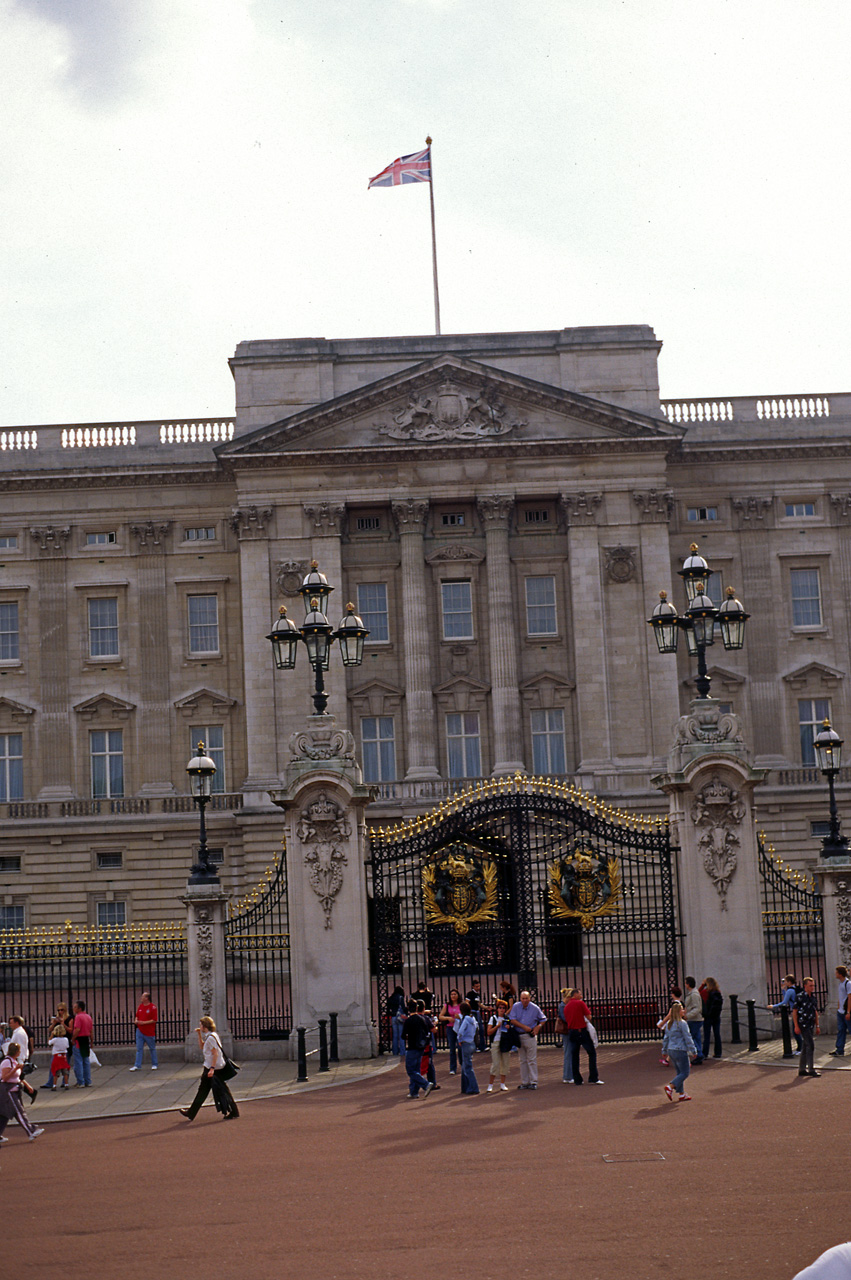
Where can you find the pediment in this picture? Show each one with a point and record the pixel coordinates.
(718, 676)
(204, 700)
(817, 674)
(448, 403)
(104, 704)
(377, 698)
(546, 689)
(17, 712)
(456, 683)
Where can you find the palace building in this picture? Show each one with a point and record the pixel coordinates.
(502, 509)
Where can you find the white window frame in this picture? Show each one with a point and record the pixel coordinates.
(213, 738)
(195, 629)
(372, 617)
(105, 907)
(378, 748)
(463, 744)
(102, 538)
(11, 767)
(540, 613)
(802, 600)
(112, 749)
(200, 533)
(100, 630)
(16, 910)
(447, 590)
(549, 755)
(13, 632)
(811, 713)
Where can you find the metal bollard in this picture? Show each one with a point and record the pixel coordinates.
(333, 1054)
(302, 1056)
(786, 1031)
(323, 1044)
(735, 1036)
(753, 1043)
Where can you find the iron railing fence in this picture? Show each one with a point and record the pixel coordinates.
(793, 925)
(257, 960)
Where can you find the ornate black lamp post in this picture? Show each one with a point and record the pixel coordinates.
(698, 621)
(828, 749)
(317, 634)
(201, 770)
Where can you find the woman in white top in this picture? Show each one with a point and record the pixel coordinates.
(11, 1107)
(211, 1078)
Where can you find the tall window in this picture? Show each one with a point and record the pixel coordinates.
(806, 597)
(110, 914)
(203, 624)
(378, 741)
(548, 741)
(11, 766)
(457, 601)
(213, 738)
(541, 607)
(463, 745)
(103, 628)
(372, 607)
(12, 917)
(107, 755)
(9, 635)
(811, 713)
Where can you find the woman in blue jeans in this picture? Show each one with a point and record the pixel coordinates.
(449, 1015)
(465, 1029)
(679, 1047)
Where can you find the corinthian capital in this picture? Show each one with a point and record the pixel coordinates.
(327, 517)
(410, 514)
(49, 538)
(580, 508)
(495, 509)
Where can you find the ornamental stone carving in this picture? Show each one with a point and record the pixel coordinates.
(706, 723)
(843, 918)
(410, 514)
(50, 538)
(204, 939)
(150, 534)
(655, 505)
(751, 508)
(322, 742)
(451, 413)
(842, 504)
(495, 509)
(580, 508)
(250, 521)
(289, 575)
(327, 517)
(322, 827)
(620, 563)
(717, 811)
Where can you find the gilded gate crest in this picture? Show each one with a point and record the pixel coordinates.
(584, 886)
(460, 891)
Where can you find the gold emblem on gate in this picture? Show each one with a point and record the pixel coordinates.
(584, 886)
(460, 891)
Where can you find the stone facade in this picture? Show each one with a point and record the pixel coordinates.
(505, 507)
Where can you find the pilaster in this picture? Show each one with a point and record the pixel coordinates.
(155, 712)
(580, 511)
(753, 514)
(250, 524)
(495, 514)
(410, 516)
(55, 744)
(206, 917)
(834, 880)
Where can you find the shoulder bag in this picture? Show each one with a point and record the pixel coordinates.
(230, 1068)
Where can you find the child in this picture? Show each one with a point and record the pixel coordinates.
(59, 1046)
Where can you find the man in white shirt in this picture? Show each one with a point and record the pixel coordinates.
(20, 1037)
(843, 1011)
(835, 1264)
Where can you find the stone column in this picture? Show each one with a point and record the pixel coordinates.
(495, 514)
(250, 524)
(324, 801)
(206, 916)
(766, 708)
(589, 637)
(834, 880)
(410, 517)
(709, 783)
(54, 729)
(155, 710)
(327, 520)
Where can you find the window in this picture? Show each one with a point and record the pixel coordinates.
(536, 515)
(11, 766)
(106, 747)
(806, 598)
(12, 917)
(548, 741)
(203, 624)
(213, 738)
(701, 513)
(463, 744)
(110, 914)
(110, 861)
(104, 539)
(103, 628)
(811, 713)
(800, 508)
(10, 864)
(379, 748)
(9, 634)
(366, 524)
(457, 601)
(452, 518)
(819, 828)
(215, 857)
(372, 607)
(205, 534)
(541, 607)
(9, 542)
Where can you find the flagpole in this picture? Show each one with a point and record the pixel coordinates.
(433, 240)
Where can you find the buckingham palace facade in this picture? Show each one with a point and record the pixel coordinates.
(503, 509)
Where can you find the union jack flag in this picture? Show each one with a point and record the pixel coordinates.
(413, 168)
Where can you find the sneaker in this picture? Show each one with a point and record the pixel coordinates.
(523, 1086)
(669, 1091)
(4, 1139)
(36, 1133)
(134, 1068)
(504, 1088)
(533, 1086)
(428, 1089)
(489, 1088)
(684, 1097)
(409, 1097)
(152, 1068)
(596, 1082)
(837, 1053)
(452, 1073)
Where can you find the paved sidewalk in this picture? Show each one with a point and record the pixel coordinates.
(118, 1091)
(770, 1054)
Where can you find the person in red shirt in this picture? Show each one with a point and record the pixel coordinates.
(576, 1014)
(146, 1031)
(81, 1043)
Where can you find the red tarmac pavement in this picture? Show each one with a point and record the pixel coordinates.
(356, 1182)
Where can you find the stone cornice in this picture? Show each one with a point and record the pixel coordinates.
(108, 478)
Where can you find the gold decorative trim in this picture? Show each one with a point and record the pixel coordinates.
(593, 882)
(460, 891)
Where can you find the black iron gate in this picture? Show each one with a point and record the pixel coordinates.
(257, 960)
(533, 881)
(793, 925)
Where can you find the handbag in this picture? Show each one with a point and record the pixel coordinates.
(590, 1028)
(508, 1040)
(229, 1070)
(560, 1028)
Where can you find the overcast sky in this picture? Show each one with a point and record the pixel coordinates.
(180, 175)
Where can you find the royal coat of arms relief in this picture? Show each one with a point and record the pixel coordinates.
(451, 413)
(584, 886)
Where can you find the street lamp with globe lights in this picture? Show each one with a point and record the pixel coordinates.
(317, 635)
(201, 770)
(828, 750)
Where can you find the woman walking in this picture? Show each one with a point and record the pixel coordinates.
(679, 1046)
(449, 1015)
(499, 1025)
(713, 1003)
(211, 1077)
(465, 1029)
(11, 1106)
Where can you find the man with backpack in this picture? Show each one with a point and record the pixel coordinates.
(843, 1011)
(416, 1033)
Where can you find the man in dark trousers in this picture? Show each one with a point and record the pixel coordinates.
(805, 1014)
(416, 1033)
(576, 1014)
